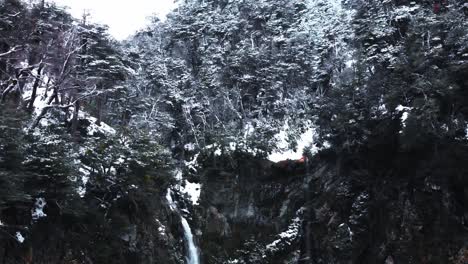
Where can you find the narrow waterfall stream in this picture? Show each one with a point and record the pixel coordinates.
(192, 251)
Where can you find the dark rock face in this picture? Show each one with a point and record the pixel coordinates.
(133, 235)
(243, 210)
(379, 205)
(412, 209)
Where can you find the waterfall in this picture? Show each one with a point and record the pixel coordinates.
(192, 257)
(192, 254)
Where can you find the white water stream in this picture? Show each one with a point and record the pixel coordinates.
(192, 254)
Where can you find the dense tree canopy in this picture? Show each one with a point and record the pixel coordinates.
(92, 126)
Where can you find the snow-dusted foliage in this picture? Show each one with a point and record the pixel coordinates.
(284, 151)
(94, 131)
(286, 238)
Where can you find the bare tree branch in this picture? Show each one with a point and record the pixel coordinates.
(12, 50)
(45, 109)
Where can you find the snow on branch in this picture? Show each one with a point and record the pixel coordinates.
(12, 50)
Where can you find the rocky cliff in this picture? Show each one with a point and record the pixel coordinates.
(386, 203)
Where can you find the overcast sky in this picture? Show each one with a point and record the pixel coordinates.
(124, 17)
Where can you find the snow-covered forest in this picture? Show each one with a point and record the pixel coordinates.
(236, 131)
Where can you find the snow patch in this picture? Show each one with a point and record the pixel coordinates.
(102, 128)
(406, 111)
(249, 130)
(191, 165)
(85, 172)
(178, 174)
(193, 190)
(466, 132)
(190, 146)
(287, 237)
(291, 233)
(161, 228)
(19, 237)
(404, 116)
(351, 234)
(383, 109)
(42, 95)
(350, 63)
(401, 108)
(283, 153)
(38, 211)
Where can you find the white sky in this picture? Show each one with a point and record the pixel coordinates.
(123, 17)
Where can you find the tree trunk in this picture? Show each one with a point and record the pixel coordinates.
(54, 96)
(99, 111)
(47, 86)
(44, 111)
(7, 90)
(74, 123)
(35, 86)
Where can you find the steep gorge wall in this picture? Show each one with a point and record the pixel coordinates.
(407, 208)
(244, 208)
(385, 203)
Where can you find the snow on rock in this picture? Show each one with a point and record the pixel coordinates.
(38, 211)
(19, 237)
(401, 108)
(161, 228)
(99, 62)
(94, 128)
(193, 190)
(84, 173)
(350, 63)
(284, 153)
(190, 146)
(404, 117)
(406, 111)
(404, 12)
(178, 175)
(249, 130)
(351, 233)
(191, 165)
(287, 237)
(42, 94)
